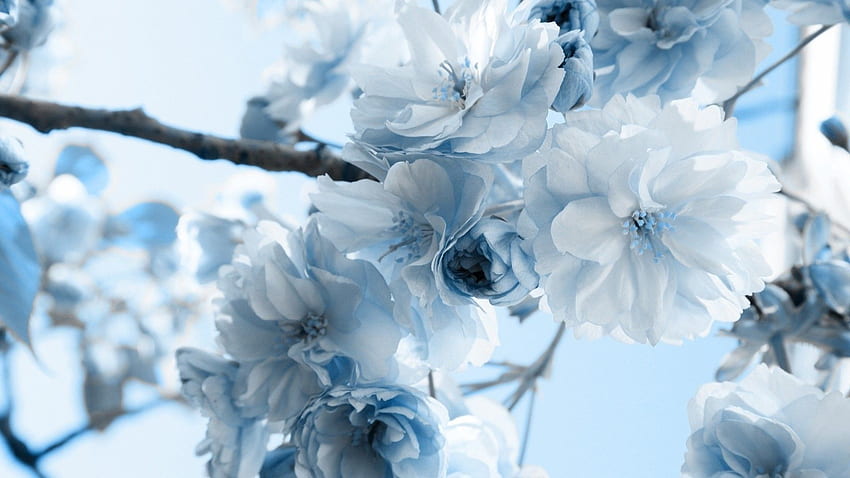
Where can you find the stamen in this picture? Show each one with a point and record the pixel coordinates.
(644, 229)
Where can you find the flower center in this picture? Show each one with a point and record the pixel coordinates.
(645, 228)
(307, 329)
(367, 435)
(470, 264)
(415, 237)
(454, 86)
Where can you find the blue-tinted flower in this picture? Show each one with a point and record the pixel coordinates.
(577, 85)
(677, 48)
(484, 443)
(569, 15)
(8, 13)
(279, 463)
(376, 432)
(236, 437)
(487, 263)
(13, 167)
(67, 211)
(316, 71)
(36, 19)
(815, 12)
(478, 84)
(403, 223)
(643, 220)
(294, 306)
(771, 424)
(835, 131)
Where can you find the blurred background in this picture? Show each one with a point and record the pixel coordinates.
(607, 410)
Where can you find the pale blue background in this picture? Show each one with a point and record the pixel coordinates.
(608, 410)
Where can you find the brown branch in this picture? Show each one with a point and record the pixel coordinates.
(46, 116)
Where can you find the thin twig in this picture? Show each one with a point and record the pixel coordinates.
(536, 369)
(729, 105)
(527, 431)
(432, 391)
(812, 209)
(436, 5)
(46, 116)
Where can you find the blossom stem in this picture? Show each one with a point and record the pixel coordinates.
(536, 369)
(432, 391)
(729, 105)
(436, 4)
(777, 344)
(527, 431)
(811, 208)
(46, 116)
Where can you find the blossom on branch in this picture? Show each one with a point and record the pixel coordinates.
(478, 84)
(643, 220)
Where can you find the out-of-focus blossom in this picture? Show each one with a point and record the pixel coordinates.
(815, 12)
(770, 424)
(35, 21)
(236, 437)
(678, 48)
(484, 443)
(656, 204)
(207, 242)
(8, 13)
(371, 431)
(478, 84)
(316, 71)
(68, 212)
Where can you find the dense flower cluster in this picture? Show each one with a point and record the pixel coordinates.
(638, 219)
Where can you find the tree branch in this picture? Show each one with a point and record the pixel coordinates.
(46, 116)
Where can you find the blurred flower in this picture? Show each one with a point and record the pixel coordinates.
(770, 424)
(478, 85)
(36, 19)
(13, 167)
(835, 131)
(484, 443)
(68, 212)
(487, 263)
(207, 242)
(678, 48)
(643, 220)
(8, 13)
(236, 438)
(316, 71)
(279, 463)
(815, 12)
(375, 432)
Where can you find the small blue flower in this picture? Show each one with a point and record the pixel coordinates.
(376, 432)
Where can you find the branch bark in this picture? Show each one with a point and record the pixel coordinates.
(46, 116)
